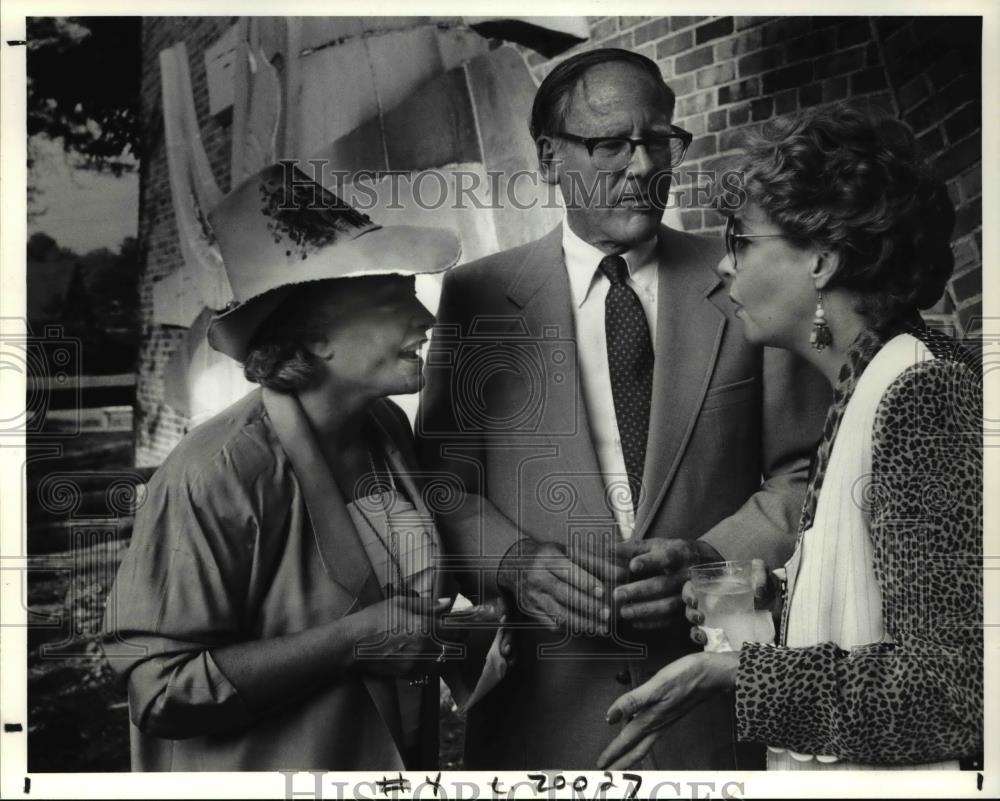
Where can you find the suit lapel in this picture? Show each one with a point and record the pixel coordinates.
(540, 288)
(689, 331)
(337, 541)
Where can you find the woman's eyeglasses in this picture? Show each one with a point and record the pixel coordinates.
(734, 239)
(614, 153)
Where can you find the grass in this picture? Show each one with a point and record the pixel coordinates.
(77, 711)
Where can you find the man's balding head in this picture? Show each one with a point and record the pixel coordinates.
(548, 113)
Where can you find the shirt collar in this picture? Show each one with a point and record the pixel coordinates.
(582, 260)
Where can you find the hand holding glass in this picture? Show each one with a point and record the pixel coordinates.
(724, 594)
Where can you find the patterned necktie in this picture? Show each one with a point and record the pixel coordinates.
(630, 363)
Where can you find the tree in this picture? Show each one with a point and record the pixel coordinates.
(77, 305)
(42, 247)
(114, 287)
(94, 297)
(84, 79)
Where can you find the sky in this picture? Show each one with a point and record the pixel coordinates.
(83, 210)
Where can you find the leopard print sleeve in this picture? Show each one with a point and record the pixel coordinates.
(917, 696)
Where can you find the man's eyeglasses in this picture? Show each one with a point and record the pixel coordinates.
(615, 152)
(734, 239)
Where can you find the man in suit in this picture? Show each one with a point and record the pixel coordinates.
(593, 393)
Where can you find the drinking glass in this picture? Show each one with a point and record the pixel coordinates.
(724, 591)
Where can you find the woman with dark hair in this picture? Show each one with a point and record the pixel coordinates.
(277, 607)
(844, 235)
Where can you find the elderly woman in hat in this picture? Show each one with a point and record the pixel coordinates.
(277, 605)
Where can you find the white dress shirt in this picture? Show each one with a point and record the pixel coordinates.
(589, 288)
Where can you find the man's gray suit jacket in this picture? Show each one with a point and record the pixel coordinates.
(731, 432)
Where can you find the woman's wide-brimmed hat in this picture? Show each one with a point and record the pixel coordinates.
(279, 229)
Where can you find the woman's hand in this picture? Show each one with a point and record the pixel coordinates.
(765, 590)
(398, 636)
(661, 700)
(393, 638)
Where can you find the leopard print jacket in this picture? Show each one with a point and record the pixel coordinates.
(916, 696)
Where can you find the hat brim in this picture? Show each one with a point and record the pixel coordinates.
(392, 250)
(230, 332)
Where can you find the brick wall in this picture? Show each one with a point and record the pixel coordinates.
(733, 72)
(934, 69)
(157, 426)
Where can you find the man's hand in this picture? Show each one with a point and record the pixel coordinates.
(561, 587)
(658, 569)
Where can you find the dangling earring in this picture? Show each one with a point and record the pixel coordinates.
(820, 336)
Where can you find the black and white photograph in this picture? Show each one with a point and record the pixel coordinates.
(489, 406)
